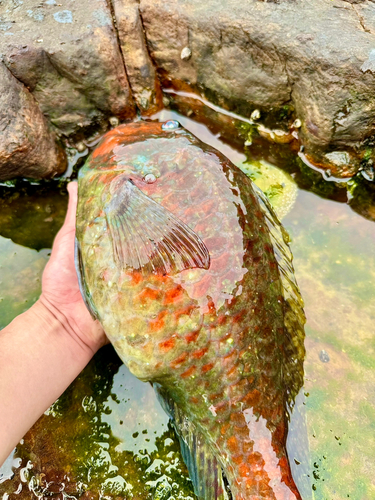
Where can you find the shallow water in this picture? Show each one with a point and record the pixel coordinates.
(113, 436)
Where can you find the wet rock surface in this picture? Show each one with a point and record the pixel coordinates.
(66, 54)
(311, 61)
(27, 146)
(313, 57)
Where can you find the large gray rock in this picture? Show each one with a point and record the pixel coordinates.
(27, 146)
(67, 54)
(317, 57)
(87, 61)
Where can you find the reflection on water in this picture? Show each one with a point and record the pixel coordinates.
(108, 433)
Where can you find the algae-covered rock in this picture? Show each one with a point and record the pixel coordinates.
(106, 437)
(278, 186)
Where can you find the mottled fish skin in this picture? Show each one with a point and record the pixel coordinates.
(214, 339)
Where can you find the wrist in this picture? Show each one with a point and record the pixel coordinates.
(40, 356)
(54, 322)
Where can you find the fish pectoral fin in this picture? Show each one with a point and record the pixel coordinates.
(82, 282)
(204, 468)
(147, 237)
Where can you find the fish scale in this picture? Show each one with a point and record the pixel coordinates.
(212, 335)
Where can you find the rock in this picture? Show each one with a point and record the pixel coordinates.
(67, 54)
(27, 146)
(139, 67)
(312, 58)
(311, 63)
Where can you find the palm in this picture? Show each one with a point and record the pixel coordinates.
(60, 284)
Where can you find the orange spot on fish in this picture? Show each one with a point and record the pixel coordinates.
(250, 484)
(189, 372)
(167, 345)
(232, 444)
(237, 459)
(89, 200)
(238, 419)
(136, 278)
(192, 337)
(158, 323)
(207, 368)
(230, 358)
(173, 295)
(147, 294)
(180, 360)
(186, 310)
(224, 429)
(199, 354)
(251, 399)
(222, 318)
(244, 470)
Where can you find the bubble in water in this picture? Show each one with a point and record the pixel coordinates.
(170, 125)
(324, 356)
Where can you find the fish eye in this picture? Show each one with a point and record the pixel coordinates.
(149, 178)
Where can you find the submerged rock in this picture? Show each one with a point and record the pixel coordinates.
(106, 437)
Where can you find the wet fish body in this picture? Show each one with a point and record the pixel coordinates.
(191, 279)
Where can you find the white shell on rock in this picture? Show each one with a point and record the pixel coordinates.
(114, 121)
(185, 53)
(339, 158)
(255, 115)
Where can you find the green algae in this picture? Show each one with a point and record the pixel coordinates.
(279, 187)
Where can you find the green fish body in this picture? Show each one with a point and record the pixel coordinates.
(179, 259)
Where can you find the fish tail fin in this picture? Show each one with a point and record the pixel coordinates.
(204, 469)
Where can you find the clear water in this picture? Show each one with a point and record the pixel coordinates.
(108, 433)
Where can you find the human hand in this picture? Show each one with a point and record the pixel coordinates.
(60, 290)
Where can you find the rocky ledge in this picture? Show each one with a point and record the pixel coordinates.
(66, 68)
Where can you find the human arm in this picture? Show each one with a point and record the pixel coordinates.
(44, 349)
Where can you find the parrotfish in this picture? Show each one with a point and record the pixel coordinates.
(189, 272)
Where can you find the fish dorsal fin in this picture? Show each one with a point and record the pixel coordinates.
(204, 469)
(82, 282)
(294, 316)
(146, 236)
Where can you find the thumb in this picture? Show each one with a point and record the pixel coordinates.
(70, 218)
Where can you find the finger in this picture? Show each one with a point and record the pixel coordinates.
(70, 219)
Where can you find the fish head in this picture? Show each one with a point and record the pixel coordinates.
(131, 150)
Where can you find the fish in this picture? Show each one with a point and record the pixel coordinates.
(189, 272)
